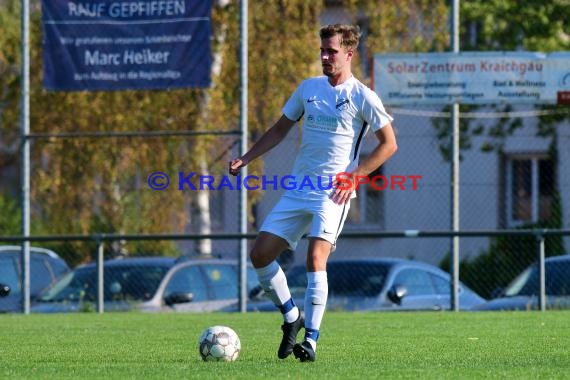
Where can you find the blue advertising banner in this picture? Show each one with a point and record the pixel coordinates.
(126, 44)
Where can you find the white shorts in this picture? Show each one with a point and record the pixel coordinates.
(292, 217)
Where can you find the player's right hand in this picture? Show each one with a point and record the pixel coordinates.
(344, 186)
(235, 165)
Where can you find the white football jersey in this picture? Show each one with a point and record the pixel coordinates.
(336, 119)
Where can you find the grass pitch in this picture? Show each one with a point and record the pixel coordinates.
(438, 345)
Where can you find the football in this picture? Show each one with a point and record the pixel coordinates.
(219, 343)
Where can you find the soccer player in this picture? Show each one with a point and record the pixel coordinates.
(338, 110)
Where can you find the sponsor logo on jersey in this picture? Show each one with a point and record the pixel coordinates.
(322, 122)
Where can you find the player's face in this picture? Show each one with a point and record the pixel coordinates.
(334, 58)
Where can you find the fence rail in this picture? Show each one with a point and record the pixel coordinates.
(538, 232)
(101, 239)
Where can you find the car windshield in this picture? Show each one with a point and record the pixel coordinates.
(364, 279)
(122, 283)
(557, 281)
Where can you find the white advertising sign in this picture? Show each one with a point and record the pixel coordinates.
(473, 78)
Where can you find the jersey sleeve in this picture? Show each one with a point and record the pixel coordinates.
(294, 107)
(373, 111)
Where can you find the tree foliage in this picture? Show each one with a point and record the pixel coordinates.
(84, 184)
(11, 219)
(515, 25)
(9, 77)
(406, 26)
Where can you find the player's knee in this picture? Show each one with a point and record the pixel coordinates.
(255, 256)
(265, 251)
(316, 263)
(260, 258)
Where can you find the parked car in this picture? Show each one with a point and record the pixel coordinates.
(4, 290)
(46, 267)
(384, 284)
(150, 284)
(522, 292)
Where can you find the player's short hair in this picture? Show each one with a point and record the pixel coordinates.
(349, 34)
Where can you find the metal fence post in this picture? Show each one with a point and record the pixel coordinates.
(25, 152)
(100, 276)
(243, 150)
(541, 272)
(455, 169)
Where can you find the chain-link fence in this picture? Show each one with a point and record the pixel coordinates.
(521, 185)
(131, 272)
(93, 171)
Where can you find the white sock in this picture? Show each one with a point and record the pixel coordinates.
(274, 283)
(315, 304)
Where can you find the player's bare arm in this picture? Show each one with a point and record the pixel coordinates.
(384, 150)
(272, 137)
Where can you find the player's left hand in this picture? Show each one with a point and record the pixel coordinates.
(236, 164)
